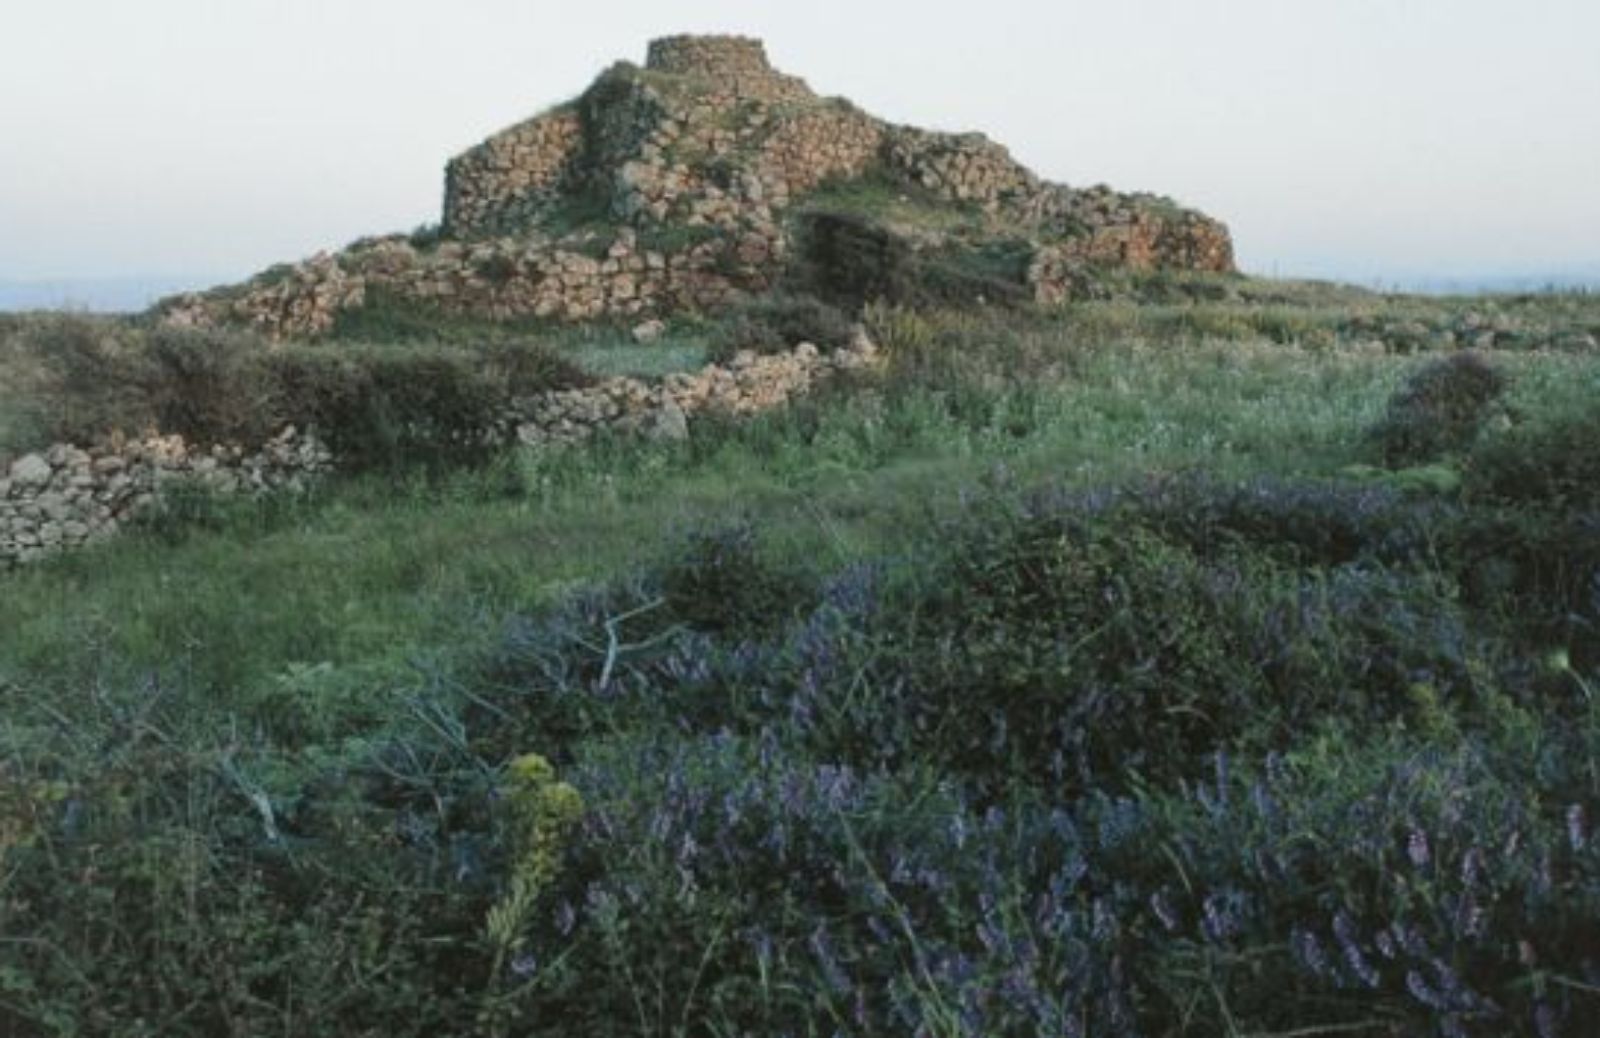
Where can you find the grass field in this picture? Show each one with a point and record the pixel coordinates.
(1093, 672)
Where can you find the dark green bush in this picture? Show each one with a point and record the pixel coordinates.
(1440, 410)
(1554, 462)
(851, 260)
(390, 407)
(386, 319)
(773, 324)
(374, 406)
(1090, 755)
(719, 581)
(215, 921)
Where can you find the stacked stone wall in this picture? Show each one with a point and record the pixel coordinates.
(737, 65)
(749, 384)
(815, 146)
(568, 280)
(67, 497)
(506, 182)
(966, 167)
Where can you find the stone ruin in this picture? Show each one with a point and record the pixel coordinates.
(680, 185)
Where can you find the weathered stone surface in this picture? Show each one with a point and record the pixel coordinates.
(669, 422)
(649, 331)
(30, 470)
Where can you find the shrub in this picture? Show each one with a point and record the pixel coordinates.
(848, 259)
(773, 324)
(374, 406)
(386, 408)
(720, 581)
(88, 378)
(851, 260)
(1440, 409)
(386, 318)
(1554, 462)
(208, 386)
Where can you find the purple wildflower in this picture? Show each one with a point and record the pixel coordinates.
(1471, 866)
(1163, 910)
(1221, 917)
(1417, 848)
(1344, 930)
(1577, 827)
(1308, 949)
(1105, 923)
(1544, 1020)
(1423, 993)
(832, 972)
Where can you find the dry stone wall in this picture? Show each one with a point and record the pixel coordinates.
(737, 65)
(572, 279)
(66, 497)
(513, 177)
(965, 167)
(747, 385)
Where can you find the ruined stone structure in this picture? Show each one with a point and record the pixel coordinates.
(672, 186)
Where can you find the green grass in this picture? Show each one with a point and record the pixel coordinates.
(369, 571)
(902, 207)
(610, 350)
(254, 758)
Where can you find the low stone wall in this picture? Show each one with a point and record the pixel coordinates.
(747, 385)
(569, 279)
(65, 497)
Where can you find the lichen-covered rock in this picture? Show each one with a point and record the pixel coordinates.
(30, 470)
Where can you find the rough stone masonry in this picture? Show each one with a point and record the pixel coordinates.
(67, 497)
(669, 187)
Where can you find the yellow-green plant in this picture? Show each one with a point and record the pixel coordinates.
(540, 811)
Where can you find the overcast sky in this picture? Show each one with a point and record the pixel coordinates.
(1363, 139)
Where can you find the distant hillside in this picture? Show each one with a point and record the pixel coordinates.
(705, 176)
